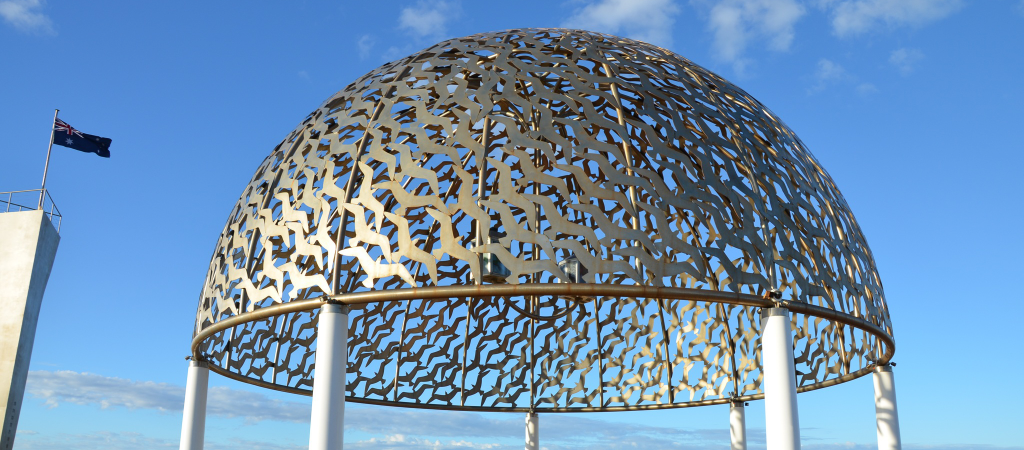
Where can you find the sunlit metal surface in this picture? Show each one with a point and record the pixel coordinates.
(673, 199)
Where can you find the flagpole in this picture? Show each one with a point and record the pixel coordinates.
(42, 191)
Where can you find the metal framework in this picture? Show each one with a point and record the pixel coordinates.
(542, 220)
(26, 200)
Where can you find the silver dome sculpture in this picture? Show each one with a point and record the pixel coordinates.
(542, 220)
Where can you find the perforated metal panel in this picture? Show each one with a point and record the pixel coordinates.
(684, 200)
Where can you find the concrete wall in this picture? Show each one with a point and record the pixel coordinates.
(28, 244)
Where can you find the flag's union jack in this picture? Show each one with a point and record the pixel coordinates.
(60, 125)
(67, 136)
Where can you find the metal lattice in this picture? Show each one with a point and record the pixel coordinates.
(463, 176)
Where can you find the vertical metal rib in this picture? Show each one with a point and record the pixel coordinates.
(635, 222)
(533, 335)
(756, 188)
(627, 154)
(230, 356)
(349, 191)
(712, 280)
(465, 346)
(432, 235)
(755, 185)
(398, 359)
(481, 188)
(481, 163)
(732, 354)
(600, 347)
(667, 360)
(534, 300)
(842, 349)
(280, 320)
(350, 184)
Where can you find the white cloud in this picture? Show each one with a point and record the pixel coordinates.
(87, 388)
(904, 59)
(389, 428)
(95, 441)
(866, 89)
(107, 440)
(365, 44)
(428, 18)
(25, 16)
(106, 392)
(1020, 7)
(645, 20)
(736, 23)
(401, 441)
(451, 429)
(830, 74)
(396, 428)
(393, 53)
(827, 73)
(851, 17)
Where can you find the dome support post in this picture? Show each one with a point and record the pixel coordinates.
(327, 424)
(737, 426)
(886, 415)
(782, 421)
(532, 431)
(193, 421)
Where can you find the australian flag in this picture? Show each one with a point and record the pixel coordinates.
(65, 135)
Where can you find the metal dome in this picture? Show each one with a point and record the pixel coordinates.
(542, 220)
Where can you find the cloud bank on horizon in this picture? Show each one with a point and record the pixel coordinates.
(398, 428)
(388, 427)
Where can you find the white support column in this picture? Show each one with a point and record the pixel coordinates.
(782, 422)
(886, 414)
(327, 424)
(532, 432)
(193, 423)
(738, 426)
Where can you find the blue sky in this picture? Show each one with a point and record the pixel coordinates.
(913, 106)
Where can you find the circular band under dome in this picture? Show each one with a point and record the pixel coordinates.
(469, 293)
(542, 219)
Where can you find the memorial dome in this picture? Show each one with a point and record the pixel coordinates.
(542, 219)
